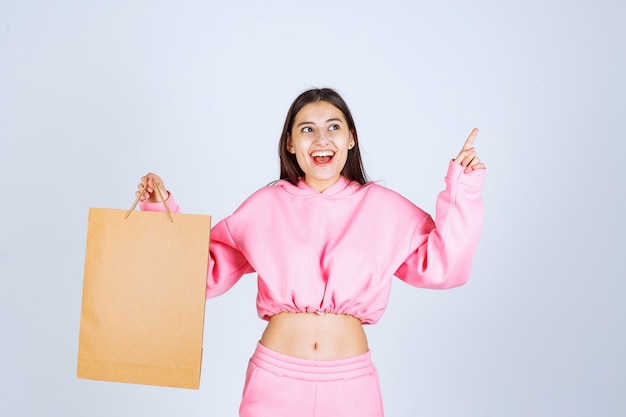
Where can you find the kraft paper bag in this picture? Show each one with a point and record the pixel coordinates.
(142, 317)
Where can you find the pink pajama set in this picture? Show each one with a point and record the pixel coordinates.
(336, 252)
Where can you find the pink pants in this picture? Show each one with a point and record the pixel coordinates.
(279, 386)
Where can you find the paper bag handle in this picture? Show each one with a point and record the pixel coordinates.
(167, 209)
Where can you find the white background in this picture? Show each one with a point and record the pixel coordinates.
(94, 94)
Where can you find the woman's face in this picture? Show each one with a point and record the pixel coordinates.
(320, 140)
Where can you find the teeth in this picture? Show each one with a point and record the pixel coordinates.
(322, 153)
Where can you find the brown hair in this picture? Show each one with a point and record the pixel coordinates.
(289, 168)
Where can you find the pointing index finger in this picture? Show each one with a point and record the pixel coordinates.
(469, 142)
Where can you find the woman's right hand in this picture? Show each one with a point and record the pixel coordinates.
(146, 189)
(467, 157)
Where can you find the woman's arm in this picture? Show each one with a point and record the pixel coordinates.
(442, 250)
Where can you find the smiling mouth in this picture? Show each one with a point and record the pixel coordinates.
(322, 157)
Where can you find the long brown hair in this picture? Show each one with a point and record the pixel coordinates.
(289, 168)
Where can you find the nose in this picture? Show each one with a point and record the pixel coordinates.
(320, 137)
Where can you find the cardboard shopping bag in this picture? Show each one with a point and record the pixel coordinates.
(142, 317)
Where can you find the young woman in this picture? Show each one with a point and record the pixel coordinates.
(325, 243)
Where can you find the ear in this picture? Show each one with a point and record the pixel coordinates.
(290, 147)
(351, 142)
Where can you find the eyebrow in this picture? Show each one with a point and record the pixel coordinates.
(334, 119)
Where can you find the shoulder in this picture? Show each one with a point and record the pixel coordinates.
(374, 189)
(263, 195)
(389, 199)
(264, 199)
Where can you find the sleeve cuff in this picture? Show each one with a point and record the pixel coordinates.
(456, 172)
(171, 204)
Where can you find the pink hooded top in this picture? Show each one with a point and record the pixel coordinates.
(336, 251)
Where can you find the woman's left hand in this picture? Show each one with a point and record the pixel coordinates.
(467, 157)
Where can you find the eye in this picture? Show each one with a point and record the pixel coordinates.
(307, 129)
(333, 127)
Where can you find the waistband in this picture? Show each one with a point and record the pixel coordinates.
(312, 370)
